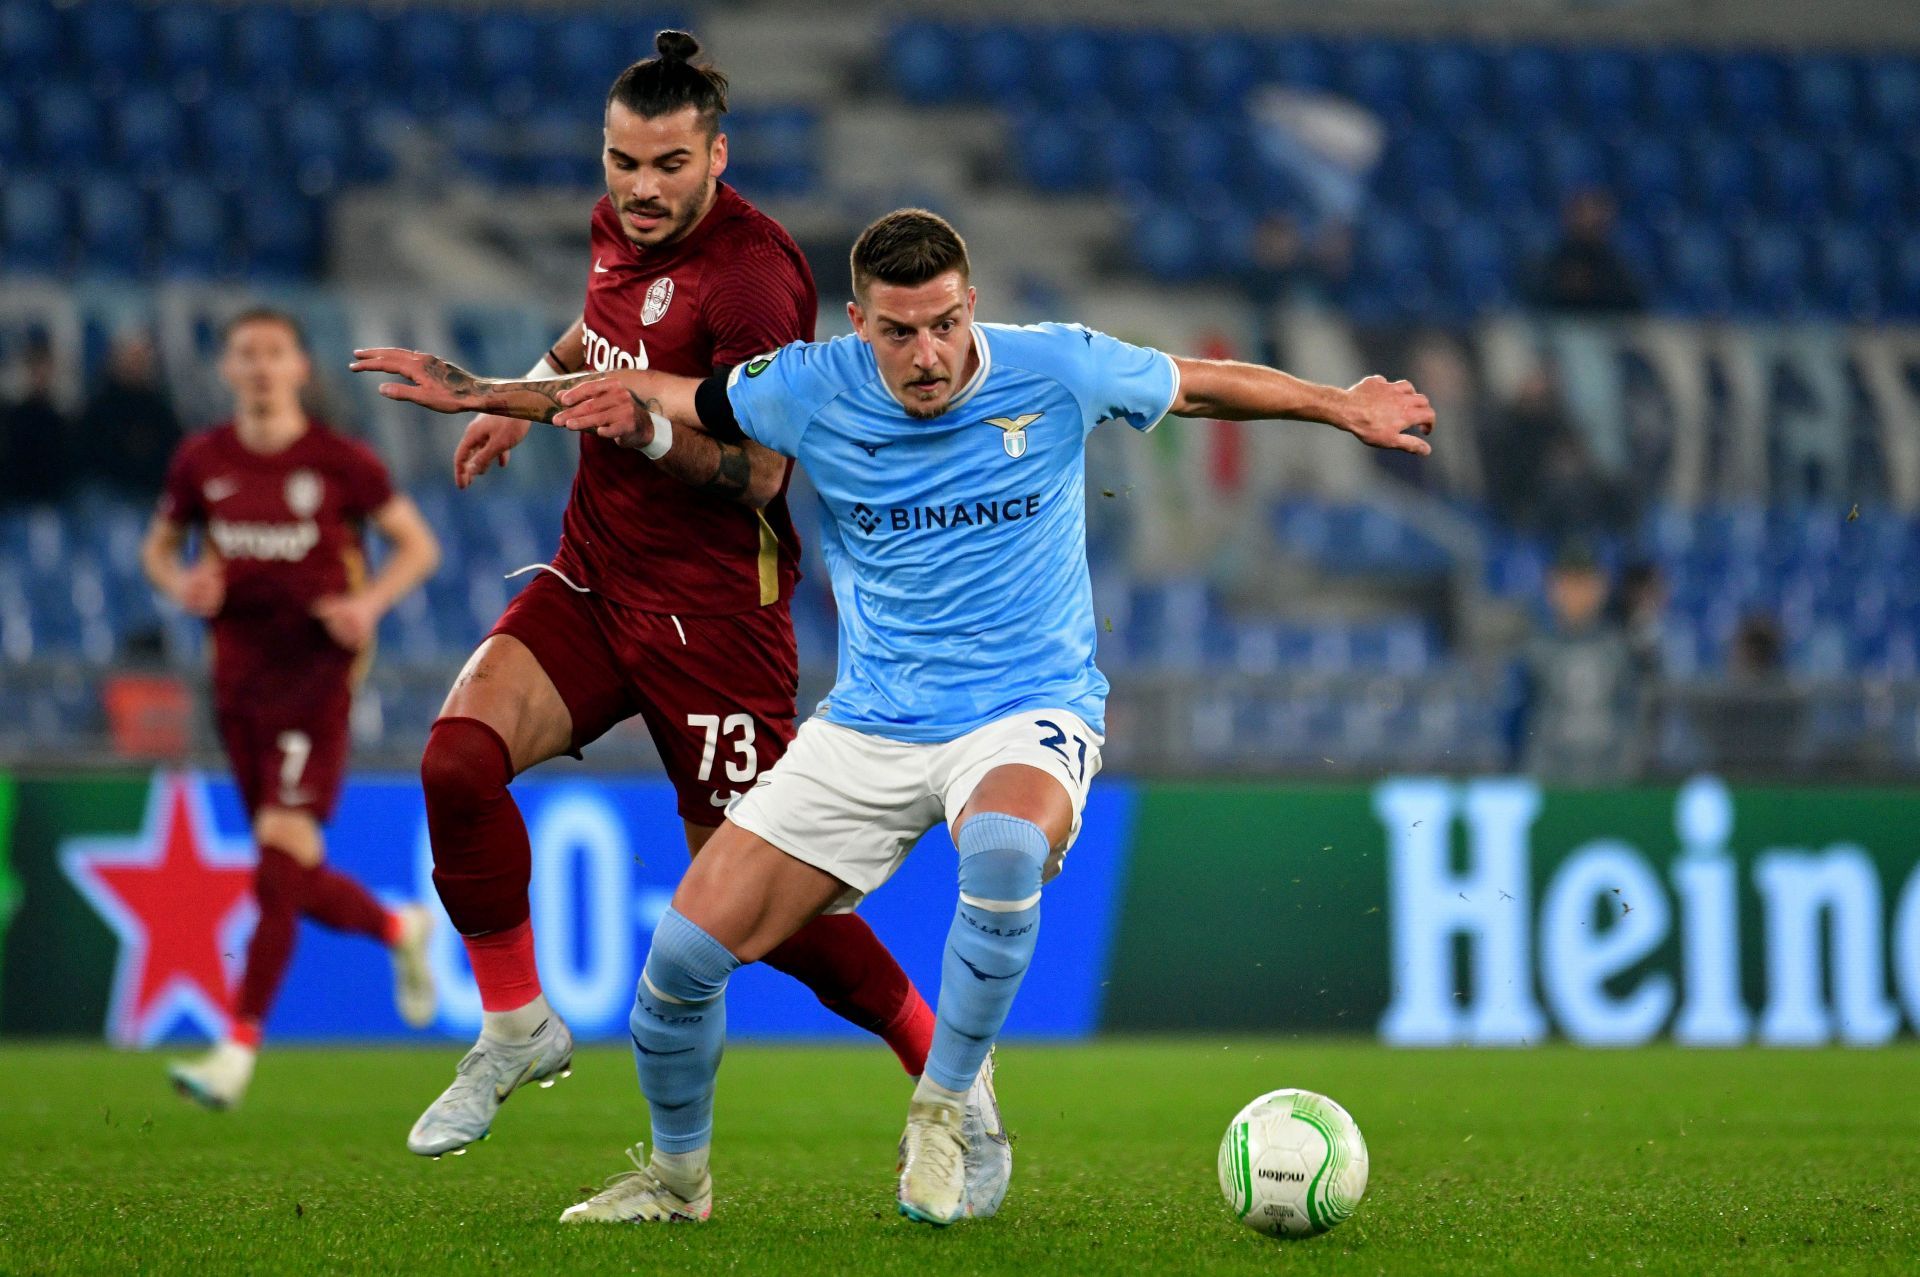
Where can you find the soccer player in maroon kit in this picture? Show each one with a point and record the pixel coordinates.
(668, 599)
(279, 500)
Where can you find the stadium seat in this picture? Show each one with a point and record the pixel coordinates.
(13, 133)
(193, 232)
(150, 133)
(1773, 269)
(317, 143)
(1795, 177)
(33, 226)
(1750, 91)
(1379, 75)
(1893, 94)
(277, 233)
(505, 47)
(269, 50)
(1530, 86)
(236, 143)
(188, 46)
(1725, 183)
(588, 52)
(1869, 184)
(113, 226)
(1825, 94)
(1450, 83)
(1001, 64)
(67, 127)
(428, 55)
(926, 62)
(1570, 161)
(1606, 89)
(346, 56)
(1679, 91)
(1653, 176)
(1054, 154)
(1074, 68)
(111, 41)
(1152, 67)
(1225, 67)
(29, 43)
(1301, 62)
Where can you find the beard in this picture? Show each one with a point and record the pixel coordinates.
(676, 225)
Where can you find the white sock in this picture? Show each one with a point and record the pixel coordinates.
(517, 1025)
(928, 1091)
(681, 1172)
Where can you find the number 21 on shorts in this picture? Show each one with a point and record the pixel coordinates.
(1056, 739)
(738, 729)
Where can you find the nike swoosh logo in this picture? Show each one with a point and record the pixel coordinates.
(598, 269)
(873, 449)
(643, 1050)
(718, 799)
(220, 489)
(978, 974)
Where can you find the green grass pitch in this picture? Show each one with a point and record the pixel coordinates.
(1544, 1161)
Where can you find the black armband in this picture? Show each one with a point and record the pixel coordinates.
(715, 410)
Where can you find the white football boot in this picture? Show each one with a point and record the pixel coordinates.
(640, 1196)
(491, 1072)
(413, 992)
(989, 1158)
(217, 1080)
(933, 1165)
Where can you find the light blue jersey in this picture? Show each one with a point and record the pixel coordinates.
(957, 546)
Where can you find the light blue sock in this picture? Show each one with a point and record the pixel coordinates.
(679, 1027)
(990, 943)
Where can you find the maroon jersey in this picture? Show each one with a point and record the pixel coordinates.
(735, 287)
(286, 527)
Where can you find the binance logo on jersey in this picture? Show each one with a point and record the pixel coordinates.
(1013, 432)
(946, 518)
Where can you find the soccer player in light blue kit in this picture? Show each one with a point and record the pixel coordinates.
(949, 459)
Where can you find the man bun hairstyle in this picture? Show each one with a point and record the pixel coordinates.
(672, 81)
(908, 246)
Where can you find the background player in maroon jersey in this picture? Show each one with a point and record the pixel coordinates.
(279, 500)
(667, 599)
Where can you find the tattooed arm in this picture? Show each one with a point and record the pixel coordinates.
(742, 471)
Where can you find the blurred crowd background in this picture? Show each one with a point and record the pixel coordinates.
(1657, 264)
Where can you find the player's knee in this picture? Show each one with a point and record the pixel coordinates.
(276, 882)
(685, 967)
(464, 766)
(296, 833)
(1002, 862)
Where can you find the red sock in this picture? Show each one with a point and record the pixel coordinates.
(338, 902)
(503, 967)
(855, 977)
(481, 860)
(245, 1033)
(278, 889)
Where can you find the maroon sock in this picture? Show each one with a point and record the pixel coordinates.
(278, 887)
(334, 900)
(855, 977)
(481, 861)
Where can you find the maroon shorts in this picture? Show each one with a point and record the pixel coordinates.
(716, 692)
(289, 752)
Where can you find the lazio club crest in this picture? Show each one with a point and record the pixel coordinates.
(1013, 432)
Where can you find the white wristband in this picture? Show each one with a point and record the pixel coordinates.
(662, 438)
(544, 371)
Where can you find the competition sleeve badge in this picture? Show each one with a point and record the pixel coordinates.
(659, 297)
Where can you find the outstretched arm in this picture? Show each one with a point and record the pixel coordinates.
(1378, 412)
(622, 409)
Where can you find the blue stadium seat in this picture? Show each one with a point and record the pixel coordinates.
(1725, 183)
(1167, 241)
(318, 143)
(505, 45)
(111, 42)
(1869, 184)
(1825, 93)
(1698, 269)
(269, 49)
(587, 52)
(278, 233)
(1054, 153)
(1653, 175)
(151, 134)
(29, 43)
(346, 55)
(1379, 75)
(1501, 172)
(429, 48)
(776, 147)
(1531, 86)
(1773, 269)
(188, 44)
(67, 127)
(1751, 91)
(1001, 64)
(1570, 161)
(1796, 181)
(1226, 65)
(1479, 264)
(33, 226)
(1679, 91)
(1152, 66)
(1893, 93)
(1302, 62)
(13, 133)
(236, 143)
(113, 227)
(1450, 84)
(193, 231)
(1903, 277)
(926, 62)
(1126, 153)
(1606, 87)
(1074, 68)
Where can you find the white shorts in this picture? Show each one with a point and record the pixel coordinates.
(854, 804)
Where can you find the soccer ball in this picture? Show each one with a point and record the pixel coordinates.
(1293, 1164)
